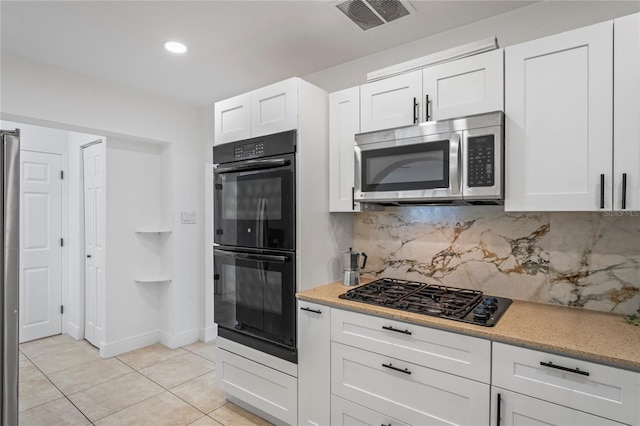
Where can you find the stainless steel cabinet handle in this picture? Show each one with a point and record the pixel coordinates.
(624, 191)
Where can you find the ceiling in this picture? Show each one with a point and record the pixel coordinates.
(234, 46)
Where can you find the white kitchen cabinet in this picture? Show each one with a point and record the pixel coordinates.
(601, 390)
(274, 108)
(558, 126)
(466, 86)
(232, 119)
(314, 354)
(626, 132)
(344, 123)
(453, 353)
(258, 379)
(391, 102)
(411, 393)
(515, 409)
(270, 109)
(346, 413)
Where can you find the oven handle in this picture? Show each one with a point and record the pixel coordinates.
(252, 256)
(454, 164)
(248, 165)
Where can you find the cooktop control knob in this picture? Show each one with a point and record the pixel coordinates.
(491, 303)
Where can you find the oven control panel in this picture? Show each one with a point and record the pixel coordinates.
(480, 161)
(254, 149)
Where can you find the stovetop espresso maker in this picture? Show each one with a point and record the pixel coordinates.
(351, 266)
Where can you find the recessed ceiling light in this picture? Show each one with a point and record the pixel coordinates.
(175, 47)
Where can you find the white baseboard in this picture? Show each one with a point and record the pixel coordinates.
(129, 344)
(74, 331)
(209, 334)
(179, 340)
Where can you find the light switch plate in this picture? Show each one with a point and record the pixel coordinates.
(188, 218)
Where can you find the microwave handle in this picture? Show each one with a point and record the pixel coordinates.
(271, 163)
(454, 165)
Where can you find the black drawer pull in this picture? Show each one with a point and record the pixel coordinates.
(388, 327)
(405, 371)
(382, 424)
(499, 409)
(415, 110)
(315, 311)
(559, 367)
(602, 191)
(624, 191)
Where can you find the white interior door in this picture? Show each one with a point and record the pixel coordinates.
(40, 245)
(94, 227)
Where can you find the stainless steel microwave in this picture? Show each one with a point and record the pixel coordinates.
(457, 161)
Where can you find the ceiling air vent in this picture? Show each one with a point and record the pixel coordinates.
(369, 14)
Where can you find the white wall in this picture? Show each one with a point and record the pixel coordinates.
(37, 94)
(527, 23)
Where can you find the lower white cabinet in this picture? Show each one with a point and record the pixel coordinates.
(314, 354)
(255, 382)
(346, 413)
(515, 409)
(598, 389)
(411, 393)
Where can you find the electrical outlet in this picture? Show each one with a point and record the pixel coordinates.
(188, 218)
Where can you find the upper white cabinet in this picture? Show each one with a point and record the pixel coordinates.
(626, 131)
(463, 87)
(344, 123)
(558, 129)
(467, 86)
(391, 102)
(274, 108)
(270, 109)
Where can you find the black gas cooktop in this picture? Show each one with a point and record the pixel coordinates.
(459, 304)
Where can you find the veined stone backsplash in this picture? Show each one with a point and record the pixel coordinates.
(589, 260)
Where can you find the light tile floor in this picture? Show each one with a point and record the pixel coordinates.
(64, 382)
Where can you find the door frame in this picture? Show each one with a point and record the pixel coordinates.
(81, 242)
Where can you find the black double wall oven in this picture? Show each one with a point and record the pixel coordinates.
(255, 243)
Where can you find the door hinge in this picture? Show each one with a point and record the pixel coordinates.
(61, 309)
(61, 242)
(218, 186)
(218, 231)
(61, 174)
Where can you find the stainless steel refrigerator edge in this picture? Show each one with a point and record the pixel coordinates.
(10, 215)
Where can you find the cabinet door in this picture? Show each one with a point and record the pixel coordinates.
(515, 409)
(344, 123)
(467, 86)
(558, 106)
(392, 102)
(232, 120)
(274, 108)
(626, 131)
(314, 356)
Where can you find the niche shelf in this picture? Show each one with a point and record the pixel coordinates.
(154, 270)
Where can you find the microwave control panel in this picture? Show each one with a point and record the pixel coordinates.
(480, 161)
(255, 149)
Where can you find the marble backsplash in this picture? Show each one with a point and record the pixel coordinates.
(589, 260)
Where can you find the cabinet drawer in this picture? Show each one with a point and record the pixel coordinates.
(267, 389)
(346, 413)
(606, 391)
(465, 356)
(516, 410)
(408, 392)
